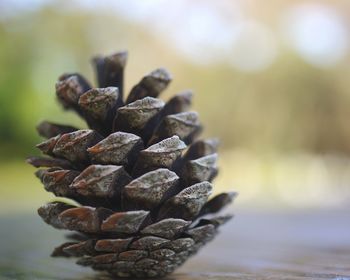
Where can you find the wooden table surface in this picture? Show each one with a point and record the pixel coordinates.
(272, 245)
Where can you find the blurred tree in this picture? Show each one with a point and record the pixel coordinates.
(289, 106)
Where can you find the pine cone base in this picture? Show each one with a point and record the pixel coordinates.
(159, 258)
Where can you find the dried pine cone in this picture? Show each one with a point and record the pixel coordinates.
(140, 178)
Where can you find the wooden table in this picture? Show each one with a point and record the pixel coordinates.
(257, 244)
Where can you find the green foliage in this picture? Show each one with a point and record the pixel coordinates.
(289, 106)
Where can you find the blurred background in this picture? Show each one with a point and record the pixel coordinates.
(271, 80)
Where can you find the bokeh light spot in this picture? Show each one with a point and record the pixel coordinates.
(317, 33)
(255, 47)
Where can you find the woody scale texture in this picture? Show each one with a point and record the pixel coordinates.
(138, 178)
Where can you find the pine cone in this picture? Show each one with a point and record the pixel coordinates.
(138, 174)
